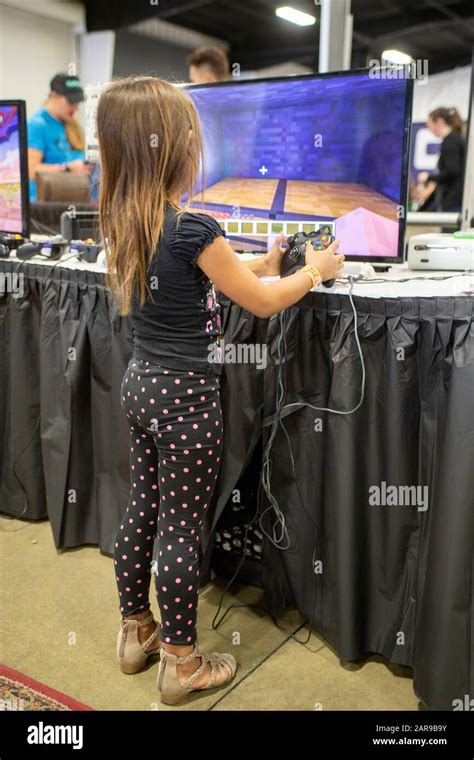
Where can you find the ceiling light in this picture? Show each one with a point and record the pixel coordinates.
(296, 17)
(395, 56)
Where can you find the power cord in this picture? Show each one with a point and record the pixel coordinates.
(282, 409)
(282, 540)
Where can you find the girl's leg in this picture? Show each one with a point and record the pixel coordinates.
(190, 447)
(137, 531)
(189, 443)
(134, 541)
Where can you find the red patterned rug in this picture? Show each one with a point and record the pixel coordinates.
(18, 692)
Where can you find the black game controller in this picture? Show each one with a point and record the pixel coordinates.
(294, 257)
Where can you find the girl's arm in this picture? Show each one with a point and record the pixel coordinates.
(265, 266)
(237, 282)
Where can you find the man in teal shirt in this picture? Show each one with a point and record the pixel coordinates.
(55, 142)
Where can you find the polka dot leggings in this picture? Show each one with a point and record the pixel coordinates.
(175, 448)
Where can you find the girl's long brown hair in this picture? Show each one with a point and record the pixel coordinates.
(151, 149)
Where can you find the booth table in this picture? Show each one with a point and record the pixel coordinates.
(391, 579)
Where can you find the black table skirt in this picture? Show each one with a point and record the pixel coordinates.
(392, 580)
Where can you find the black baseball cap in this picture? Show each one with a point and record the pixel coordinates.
(69, 86)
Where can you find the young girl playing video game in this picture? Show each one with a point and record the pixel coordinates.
(164, 262)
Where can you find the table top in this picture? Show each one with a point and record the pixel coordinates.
(398, 282)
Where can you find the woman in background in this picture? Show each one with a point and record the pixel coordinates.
(163, 261)
(442, 189)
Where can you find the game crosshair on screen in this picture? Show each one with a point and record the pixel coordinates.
(13, 190)
(292, 154)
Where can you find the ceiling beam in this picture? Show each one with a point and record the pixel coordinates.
(181, 7)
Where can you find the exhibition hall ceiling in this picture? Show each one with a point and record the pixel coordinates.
(441, 31)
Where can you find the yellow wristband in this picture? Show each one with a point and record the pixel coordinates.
(313, 274)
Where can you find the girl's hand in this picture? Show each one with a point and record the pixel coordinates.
(272, 259)
(327, 262)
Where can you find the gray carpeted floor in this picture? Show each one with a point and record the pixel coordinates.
(59, 614)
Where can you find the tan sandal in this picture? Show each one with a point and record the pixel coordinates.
(131, 654)
(171, 688)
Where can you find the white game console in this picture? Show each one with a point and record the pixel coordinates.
(441, 251)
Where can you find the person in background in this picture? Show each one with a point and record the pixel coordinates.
(441, 190)
(55, 138)
(208, 64)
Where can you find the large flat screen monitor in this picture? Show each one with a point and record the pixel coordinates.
(14, 207)
(290, 154)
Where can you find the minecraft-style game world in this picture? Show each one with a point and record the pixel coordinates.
(285, 156)
(10, 178)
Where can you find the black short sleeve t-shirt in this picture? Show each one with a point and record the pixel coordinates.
(179, 325)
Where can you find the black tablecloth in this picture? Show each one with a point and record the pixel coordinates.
(393, 580)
